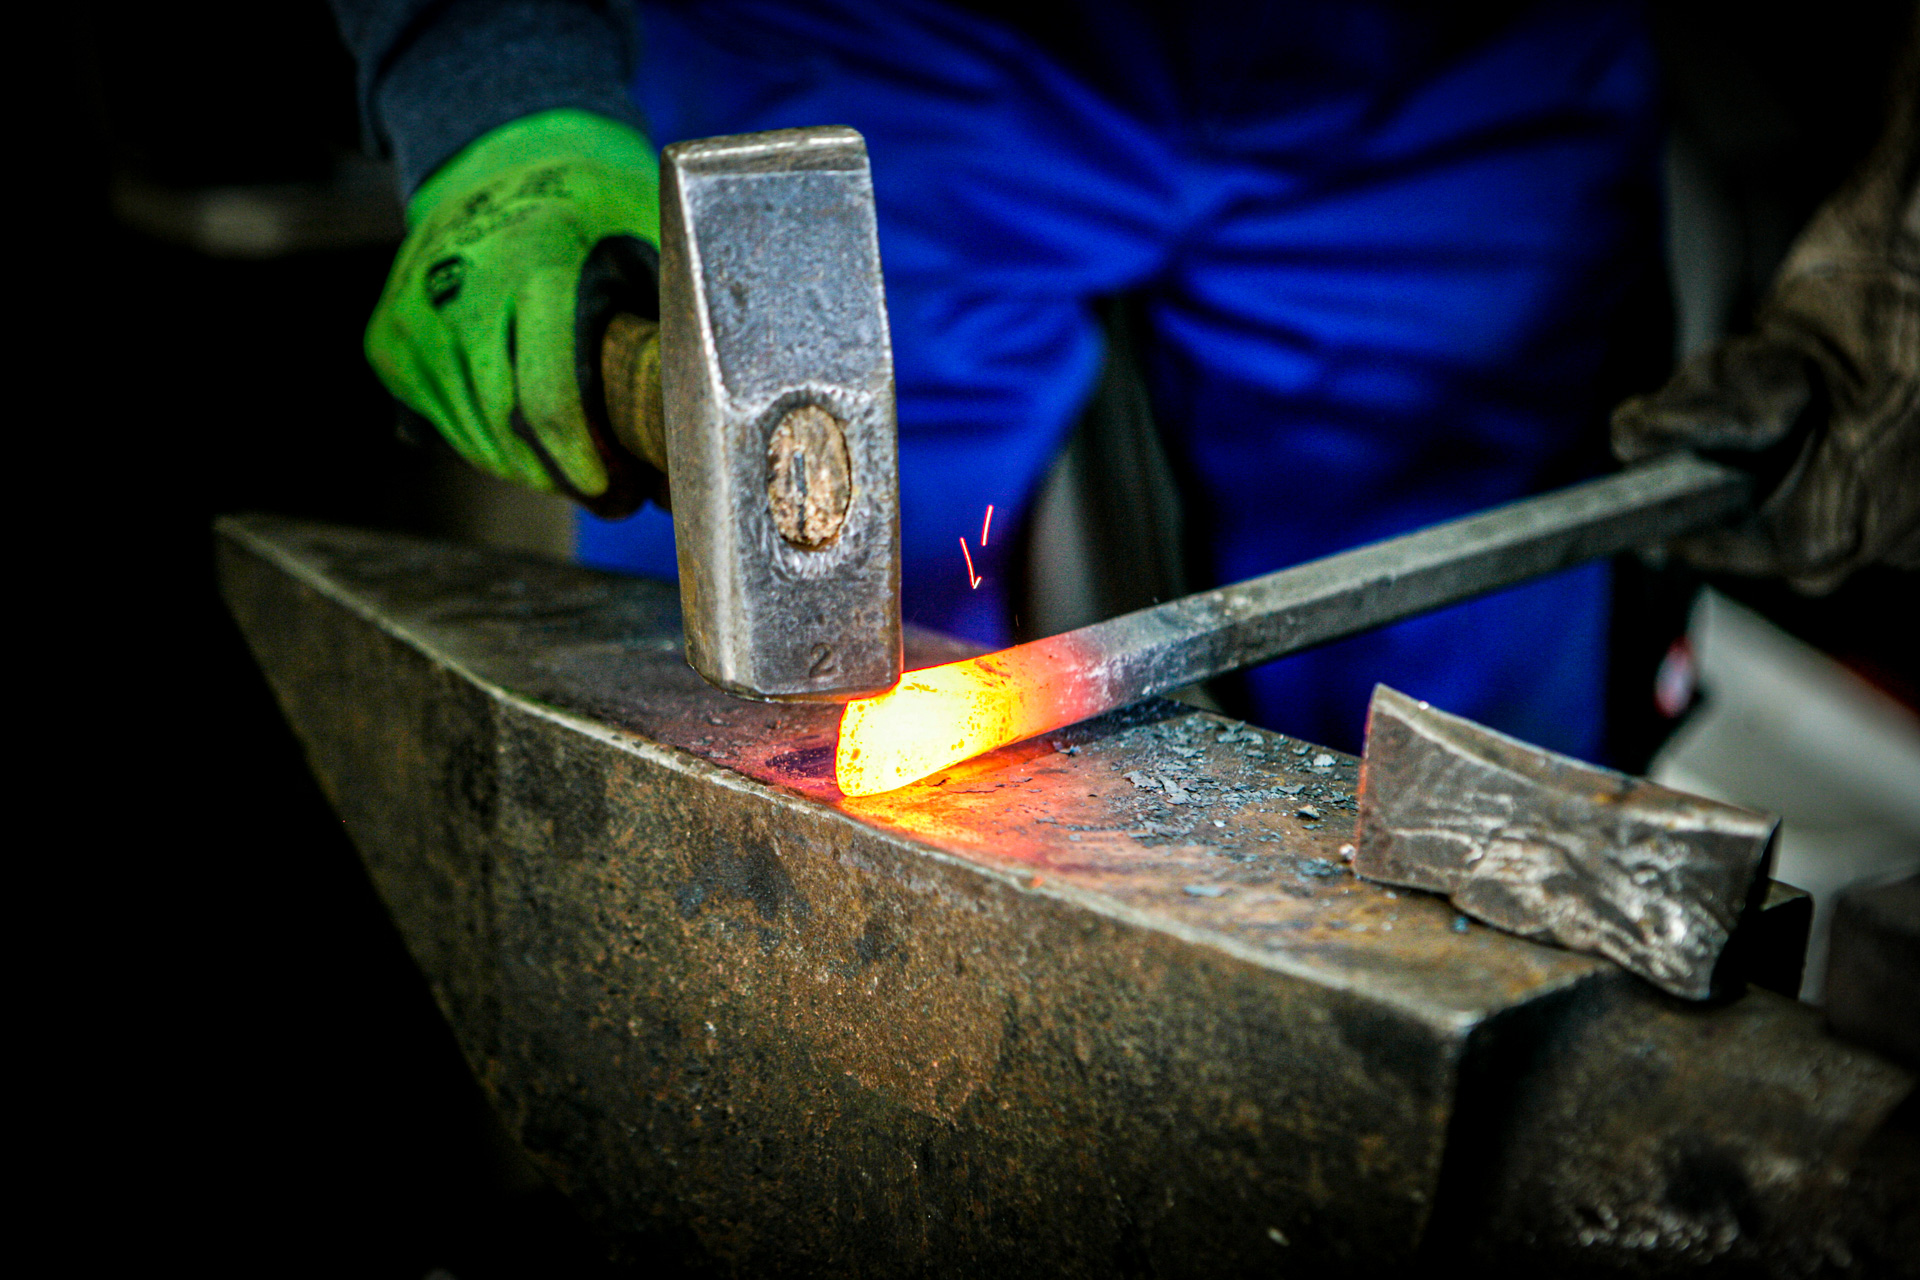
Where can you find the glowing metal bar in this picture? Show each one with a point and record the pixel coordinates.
(942, 715)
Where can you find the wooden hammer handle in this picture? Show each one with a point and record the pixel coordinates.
(630, 371)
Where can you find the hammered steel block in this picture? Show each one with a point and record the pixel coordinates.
(1549, 847)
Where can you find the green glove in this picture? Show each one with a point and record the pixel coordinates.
(520, 249)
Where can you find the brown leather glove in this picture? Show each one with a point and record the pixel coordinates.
(1822, 402)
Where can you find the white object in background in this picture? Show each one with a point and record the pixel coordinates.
(1787, 729)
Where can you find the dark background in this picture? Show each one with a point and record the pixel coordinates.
(245, 1072)
(259, 1083)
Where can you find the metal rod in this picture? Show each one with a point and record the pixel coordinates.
(1153, 650)
(941, 715)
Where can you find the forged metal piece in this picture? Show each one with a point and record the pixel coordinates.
(1551, 848)
(776, 374)
(1105, 1003)
(1036, 687)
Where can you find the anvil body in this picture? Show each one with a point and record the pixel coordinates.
(1105, 1003)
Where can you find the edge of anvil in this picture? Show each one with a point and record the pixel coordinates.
(1527, 971)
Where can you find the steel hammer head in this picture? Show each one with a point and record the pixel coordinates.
(776, 373)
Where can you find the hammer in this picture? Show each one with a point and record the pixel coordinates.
(765, 393)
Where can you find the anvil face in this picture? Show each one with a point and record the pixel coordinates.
(1106, 1001)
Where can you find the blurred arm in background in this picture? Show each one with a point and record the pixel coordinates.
(1822, 399)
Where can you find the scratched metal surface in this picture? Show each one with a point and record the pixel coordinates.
(1107, 1003)
(1556, 849)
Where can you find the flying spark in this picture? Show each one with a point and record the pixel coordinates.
(973, 579)
(986, 525)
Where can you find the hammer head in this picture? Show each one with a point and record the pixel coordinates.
(776, 372)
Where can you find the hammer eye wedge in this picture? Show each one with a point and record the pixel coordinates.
(809, 477)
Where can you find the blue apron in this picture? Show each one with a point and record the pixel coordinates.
(1379, 252)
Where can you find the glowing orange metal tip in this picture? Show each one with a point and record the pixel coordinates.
(941, 715)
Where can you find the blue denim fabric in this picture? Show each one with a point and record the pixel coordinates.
(1379, 254)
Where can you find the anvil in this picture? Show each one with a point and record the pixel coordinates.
(1105, 1002)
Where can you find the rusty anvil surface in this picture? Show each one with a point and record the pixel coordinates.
(1105, 1003)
